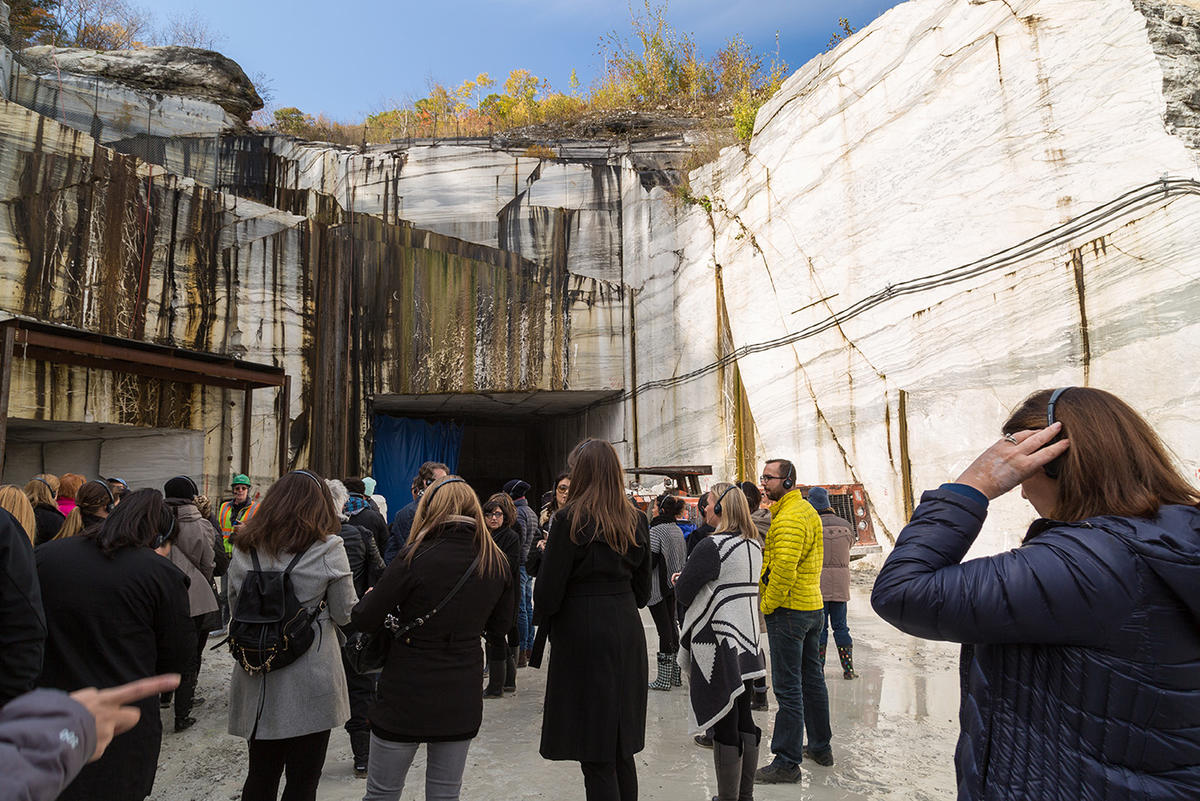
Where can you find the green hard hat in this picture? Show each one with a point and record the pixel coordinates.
(240, 478)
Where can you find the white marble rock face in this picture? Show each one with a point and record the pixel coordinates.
(943, 135)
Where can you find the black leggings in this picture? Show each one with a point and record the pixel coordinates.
(302, 758)
(729, 729)
(663, 613)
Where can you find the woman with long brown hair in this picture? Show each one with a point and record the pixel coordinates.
(446, 588)
(500, 516)
(1081, 658)
(286, 714)
(93, 502)
(595, 575)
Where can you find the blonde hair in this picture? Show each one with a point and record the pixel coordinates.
(42, 490)
(13, 499)
(451, 497)
(92, 498)
(735, 511)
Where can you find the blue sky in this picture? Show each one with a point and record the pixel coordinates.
(353, 57)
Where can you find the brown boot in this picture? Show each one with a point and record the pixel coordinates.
(523, 658)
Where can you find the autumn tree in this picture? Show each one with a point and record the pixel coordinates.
(190, 30)
(98, 25)
(30, 19)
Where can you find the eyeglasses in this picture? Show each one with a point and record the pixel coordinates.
(494, 513)
(765, 478)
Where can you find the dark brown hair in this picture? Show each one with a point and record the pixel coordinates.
(296, 512)
(503, 502)
(1116, 464)
(90, 499)
(598, 497)
(135, 522)
(424, 476)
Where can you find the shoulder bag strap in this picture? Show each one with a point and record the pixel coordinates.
(392, 623)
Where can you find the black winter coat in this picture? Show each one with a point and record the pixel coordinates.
(1081, 658)
(431, 686)
(111, 620)
(49, 521)
(588, 596)
(366, 564)
(399, 530)
(22, 625)
(508, 540)
(372, 521)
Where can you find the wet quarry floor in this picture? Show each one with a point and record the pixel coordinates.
(894, 730)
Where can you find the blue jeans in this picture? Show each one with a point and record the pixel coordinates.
(799, 680)
(835, 613)
(525, 611)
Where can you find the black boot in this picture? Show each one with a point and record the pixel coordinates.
(728, 761)
(360, 744)
(750, 742)
(676, 671)
(495, 683)
(846, 654)
(510, 671)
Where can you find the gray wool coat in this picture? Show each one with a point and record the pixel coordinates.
(310, 694)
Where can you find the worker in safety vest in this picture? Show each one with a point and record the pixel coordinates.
(231, 515)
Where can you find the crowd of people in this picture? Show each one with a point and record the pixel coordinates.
(1083, 641)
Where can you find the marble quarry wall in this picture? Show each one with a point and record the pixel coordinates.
(962, 203)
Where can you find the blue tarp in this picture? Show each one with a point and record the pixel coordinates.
(402, 445)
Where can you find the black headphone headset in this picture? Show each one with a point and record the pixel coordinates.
(310, 475)
(1054, 467)
(717, 505)
(53, 492)
(441, 484)
(789, 480)
(163, 536)
(112, 501)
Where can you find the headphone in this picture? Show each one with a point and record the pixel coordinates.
(789, 480)
(53, 492)
(310, 475)
(717, 505)
(441, 484)
(161, 538)
(1054, 467)
(112, 501)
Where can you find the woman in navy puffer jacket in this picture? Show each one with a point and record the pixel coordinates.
(1081, 648)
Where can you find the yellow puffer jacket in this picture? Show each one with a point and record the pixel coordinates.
(793, 554)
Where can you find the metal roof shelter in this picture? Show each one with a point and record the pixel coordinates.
(59, 344)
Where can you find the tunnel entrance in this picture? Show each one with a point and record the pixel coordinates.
(487, 438)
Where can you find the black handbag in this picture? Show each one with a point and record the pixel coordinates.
(366, 652)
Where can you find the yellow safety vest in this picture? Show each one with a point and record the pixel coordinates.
(228, 520)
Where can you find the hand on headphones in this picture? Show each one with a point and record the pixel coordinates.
(1010, 461)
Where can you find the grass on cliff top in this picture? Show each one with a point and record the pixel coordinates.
(652, 68)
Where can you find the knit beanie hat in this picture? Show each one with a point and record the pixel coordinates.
(516, 488)
(368, 485)
(181, 487)
(819, 498)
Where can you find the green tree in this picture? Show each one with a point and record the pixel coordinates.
(293, 121)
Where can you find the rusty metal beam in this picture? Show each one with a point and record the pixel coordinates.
(42, 354)
(906, 482)
(6, 355)
(284, 424)
(136, 360)
(247, 406)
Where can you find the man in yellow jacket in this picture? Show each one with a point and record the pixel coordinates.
(790, 596)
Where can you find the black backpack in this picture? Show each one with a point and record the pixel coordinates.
(270, 629)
